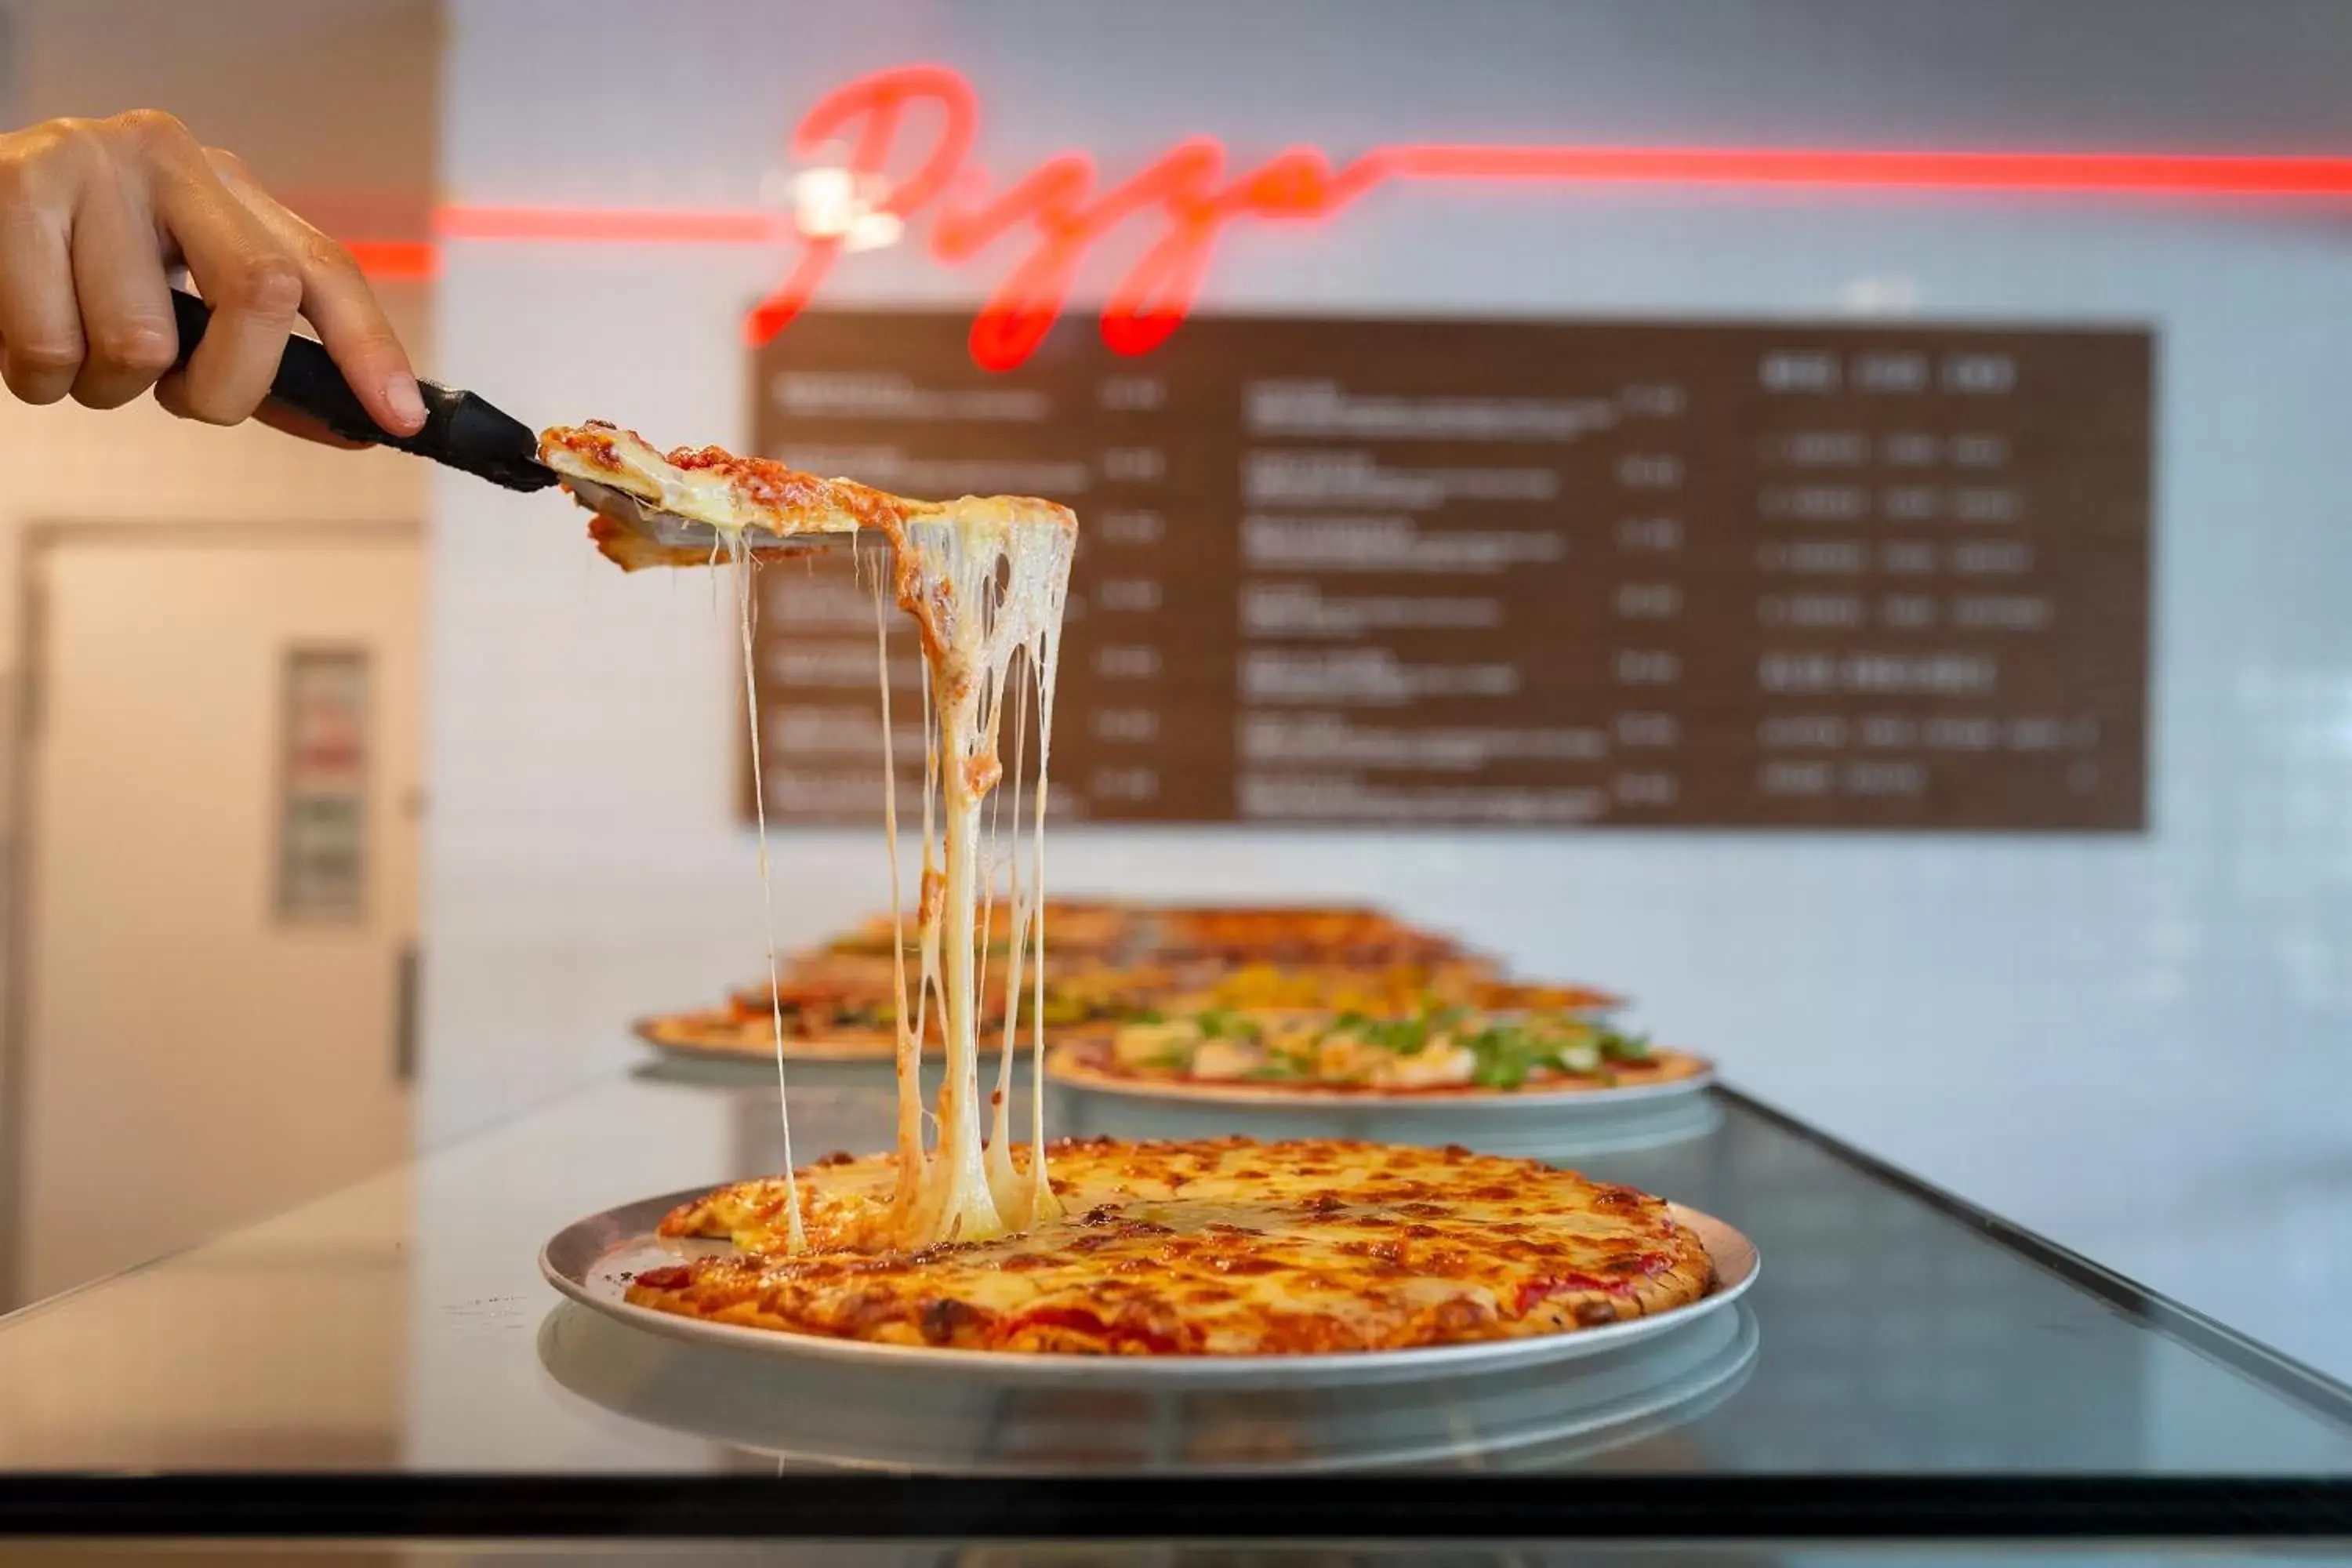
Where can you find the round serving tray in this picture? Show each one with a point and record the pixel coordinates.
(1538, 1123)
(587, 1260)
(806, 1415)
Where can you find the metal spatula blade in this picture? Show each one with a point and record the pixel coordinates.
(667, 530)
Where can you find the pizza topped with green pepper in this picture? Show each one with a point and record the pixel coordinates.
(1434, 1050)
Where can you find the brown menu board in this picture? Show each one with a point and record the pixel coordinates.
(1514, 574)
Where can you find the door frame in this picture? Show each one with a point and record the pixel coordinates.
(38, 543)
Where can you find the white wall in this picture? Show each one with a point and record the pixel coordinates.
(2142, 1046)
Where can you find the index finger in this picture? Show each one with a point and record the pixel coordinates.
(338, 300)
(253, 288)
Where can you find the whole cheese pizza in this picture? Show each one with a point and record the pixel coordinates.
(1220, 1247)
(1437, 1049)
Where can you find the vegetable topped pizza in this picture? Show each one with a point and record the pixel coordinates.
(1437, 1048)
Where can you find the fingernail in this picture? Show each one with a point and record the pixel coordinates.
(401, 394)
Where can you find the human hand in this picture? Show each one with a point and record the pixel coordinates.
(94, 216)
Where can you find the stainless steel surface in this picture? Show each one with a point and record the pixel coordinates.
(590, 1261)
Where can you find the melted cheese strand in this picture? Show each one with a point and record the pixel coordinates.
(985, 935)
(1004, 1181)
(926, 903)
(743, 560)
(1044, 661)
(907, 1020)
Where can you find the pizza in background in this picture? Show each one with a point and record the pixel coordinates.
(1296, 935)
(1223, 994)
(839, 1006)
(1468, 1048)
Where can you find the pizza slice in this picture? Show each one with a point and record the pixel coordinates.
(754, 504)
(764, 503)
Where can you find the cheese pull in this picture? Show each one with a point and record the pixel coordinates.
(985, 580)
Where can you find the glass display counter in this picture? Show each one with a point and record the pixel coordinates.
(386, 1364)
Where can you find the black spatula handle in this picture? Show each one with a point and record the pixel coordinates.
(461, 430)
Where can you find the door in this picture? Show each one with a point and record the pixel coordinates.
(219, 902)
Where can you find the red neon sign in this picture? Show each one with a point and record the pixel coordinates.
(395, 260)
(935, 112)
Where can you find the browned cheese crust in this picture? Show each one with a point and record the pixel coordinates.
(1224, 1247)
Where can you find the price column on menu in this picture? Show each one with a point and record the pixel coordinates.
(1654, 600)
(1143, 726)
